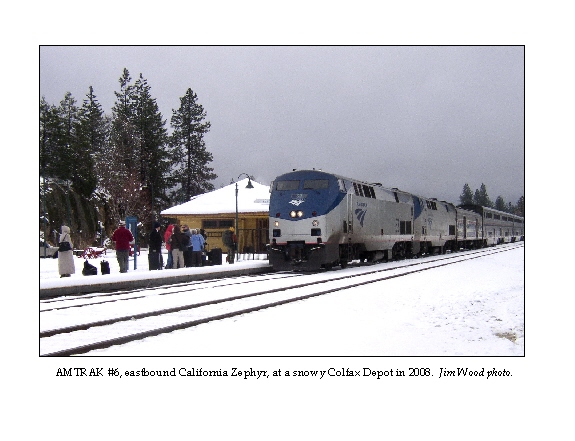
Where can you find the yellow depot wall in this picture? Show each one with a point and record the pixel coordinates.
(253, 234)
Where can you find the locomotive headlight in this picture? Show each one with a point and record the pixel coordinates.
(276, 224)
(315, 223)
(292, 214)
(300, 213)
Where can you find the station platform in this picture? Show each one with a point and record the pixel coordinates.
(79, 285)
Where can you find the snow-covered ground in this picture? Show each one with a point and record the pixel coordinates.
(49, 277)
(475, 308)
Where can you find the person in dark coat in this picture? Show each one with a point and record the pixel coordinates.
(229, 239)
(154, 253)
(188, 250)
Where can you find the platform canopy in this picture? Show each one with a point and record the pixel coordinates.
(223, 200)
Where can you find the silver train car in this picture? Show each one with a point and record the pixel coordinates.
(321, 220)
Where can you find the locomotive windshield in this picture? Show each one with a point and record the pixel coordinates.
(287, 185)
(315, 184)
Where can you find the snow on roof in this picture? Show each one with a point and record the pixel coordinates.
(250, 200)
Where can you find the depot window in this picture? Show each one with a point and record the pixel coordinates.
(217, 223)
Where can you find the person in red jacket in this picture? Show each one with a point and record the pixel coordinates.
(167, 236)
(122, 238)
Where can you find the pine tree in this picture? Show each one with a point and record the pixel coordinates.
(190, 156)
(91, 136)
(481, 197)
(49, 123)
(154, 157)
(65, 131)
(520, 209)
(68, 171)
(124, 138)
(500, 204)
(118, 171)
(137, 177)
(466, 197)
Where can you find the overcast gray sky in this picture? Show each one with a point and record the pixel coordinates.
(423, 119)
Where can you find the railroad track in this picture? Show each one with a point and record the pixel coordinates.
(160, 310)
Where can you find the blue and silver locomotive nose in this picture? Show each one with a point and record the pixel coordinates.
(299, 203)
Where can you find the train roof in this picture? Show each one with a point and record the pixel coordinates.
(359, 181)
(481, 209)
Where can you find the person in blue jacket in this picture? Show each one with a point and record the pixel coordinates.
(198, 243)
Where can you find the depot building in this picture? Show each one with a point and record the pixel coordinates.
(215, 212)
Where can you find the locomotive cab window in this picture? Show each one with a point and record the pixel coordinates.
(287, 185)
(315, 184)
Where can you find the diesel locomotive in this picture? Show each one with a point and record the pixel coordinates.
(321, 220)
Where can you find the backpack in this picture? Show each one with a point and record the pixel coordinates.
(105, 267)
(89, 270)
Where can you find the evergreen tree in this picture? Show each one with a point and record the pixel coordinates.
(481, 197)
(65, 131)
(119, 165)
(49, 123)
(91, 136)
(190, 156)
(138, 151)
(520, 209)
(466, 197)
(500, 204)
(124, 138)
(154, 158)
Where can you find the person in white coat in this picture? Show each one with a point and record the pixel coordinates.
(66, 258)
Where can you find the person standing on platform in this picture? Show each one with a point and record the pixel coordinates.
(167, 236)
(197, 248)
(122, 237)
(179, 244)
(66, 258)
(154, 254)
(229, 239)
(188, 250)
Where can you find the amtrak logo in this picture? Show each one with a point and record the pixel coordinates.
(360, 214)
(298, 199)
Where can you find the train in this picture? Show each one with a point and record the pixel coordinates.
(320, 220)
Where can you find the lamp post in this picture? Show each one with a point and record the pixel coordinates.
(249, 186)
